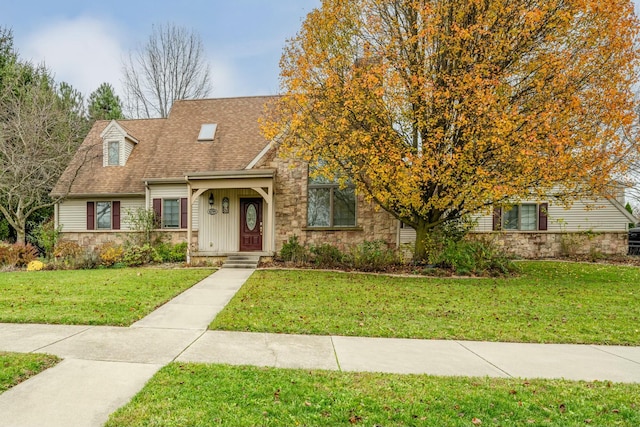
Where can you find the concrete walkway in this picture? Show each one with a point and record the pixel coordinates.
(104, 367)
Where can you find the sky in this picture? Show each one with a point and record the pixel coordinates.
(84, 42)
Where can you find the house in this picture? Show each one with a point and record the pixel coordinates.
(214, 181)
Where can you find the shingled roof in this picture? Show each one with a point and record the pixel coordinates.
(169, 148)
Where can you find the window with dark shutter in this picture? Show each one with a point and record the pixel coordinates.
(497, 218)
(91, 216)
(115, 214)
(543, 212)
(157, 212)
(183, 212)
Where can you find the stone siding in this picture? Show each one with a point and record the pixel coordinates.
(533, 245)
(90, 240)
(372, 223)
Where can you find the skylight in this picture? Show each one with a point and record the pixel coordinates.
(207, 132)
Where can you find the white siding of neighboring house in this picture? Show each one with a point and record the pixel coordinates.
(583, 215)
(221, 232)
(72, 213)
(173, 191)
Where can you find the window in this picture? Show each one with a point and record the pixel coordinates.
(113, 153)
(207, 132)
(103, 215)
(523, 217)
(170, 213)
(329, 205)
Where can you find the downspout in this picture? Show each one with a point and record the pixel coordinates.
(147, 194)
(56, 215)
(189, 219)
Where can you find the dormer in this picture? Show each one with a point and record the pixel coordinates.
(117, 144)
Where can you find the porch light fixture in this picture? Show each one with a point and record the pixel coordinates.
(211, 200)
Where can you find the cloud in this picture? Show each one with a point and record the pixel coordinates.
(84, 52)
(222, 78)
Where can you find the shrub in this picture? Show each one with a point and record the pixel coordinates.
(35, 266)
(372, 255)
(67, 250)
(139, 255)
(475, 257)
(326, 255)
(172, 253)
(110, 253)
(440, 237)
(143, 223)
(17, 255)
(88, 260)
(293, 251)
(6, 254)
(45, 235)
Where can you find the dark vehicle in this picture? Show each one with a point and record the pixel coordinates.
(634, 241)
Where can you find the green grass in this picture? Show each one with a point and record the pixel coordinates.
(198, 395)
(552, 302)
(90, 297)
(16, 367)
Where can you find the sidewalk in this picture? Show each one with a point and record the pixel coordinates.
(104, 367)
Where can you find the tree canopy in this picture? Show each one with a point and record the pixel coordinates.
(41, 126)
(437, 109)
(171, 65)
(104, 104)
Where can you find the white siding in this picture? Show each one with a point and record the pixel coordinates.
(173, 191)
(128, 148)
(112, 135)
(73, 212)
(583, 215)
(221, 232)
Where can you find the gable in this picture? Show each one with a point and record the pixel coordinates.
(117, 145)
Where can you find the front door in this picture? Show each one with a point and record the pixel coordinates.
(250, 225)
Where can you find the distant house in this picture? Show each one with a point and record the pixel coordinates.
(215, 182)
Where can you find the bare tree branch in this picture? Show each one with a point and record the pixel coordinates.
(170, 66)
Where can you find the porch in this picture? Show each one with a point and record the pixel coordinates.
(235, 213)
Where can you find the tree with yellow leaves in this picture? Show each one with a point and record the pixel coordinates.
(437, 109)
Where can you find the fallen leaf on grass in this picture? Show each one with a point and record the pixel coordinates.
(476, 421)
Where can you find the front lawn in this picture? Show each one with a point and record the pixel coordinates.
(116, 297)
(206, 395)
(552, 302)
(17, 367)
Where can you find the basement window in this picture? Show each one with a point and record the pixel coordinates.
(207, 132)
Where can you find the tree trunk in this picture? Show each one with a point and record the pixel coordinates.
(21, 234)
(420, 250)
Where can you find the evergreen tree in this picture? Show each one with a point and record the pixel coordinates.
(104, 104)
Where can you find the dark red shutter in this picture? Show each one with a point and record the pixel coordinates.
(497, 218)
(157, 212)
(183, 212)
(543, 211)
(91, 216)
(115, 215)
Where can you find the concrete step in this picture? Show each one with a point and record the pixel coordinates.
(241, 261)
